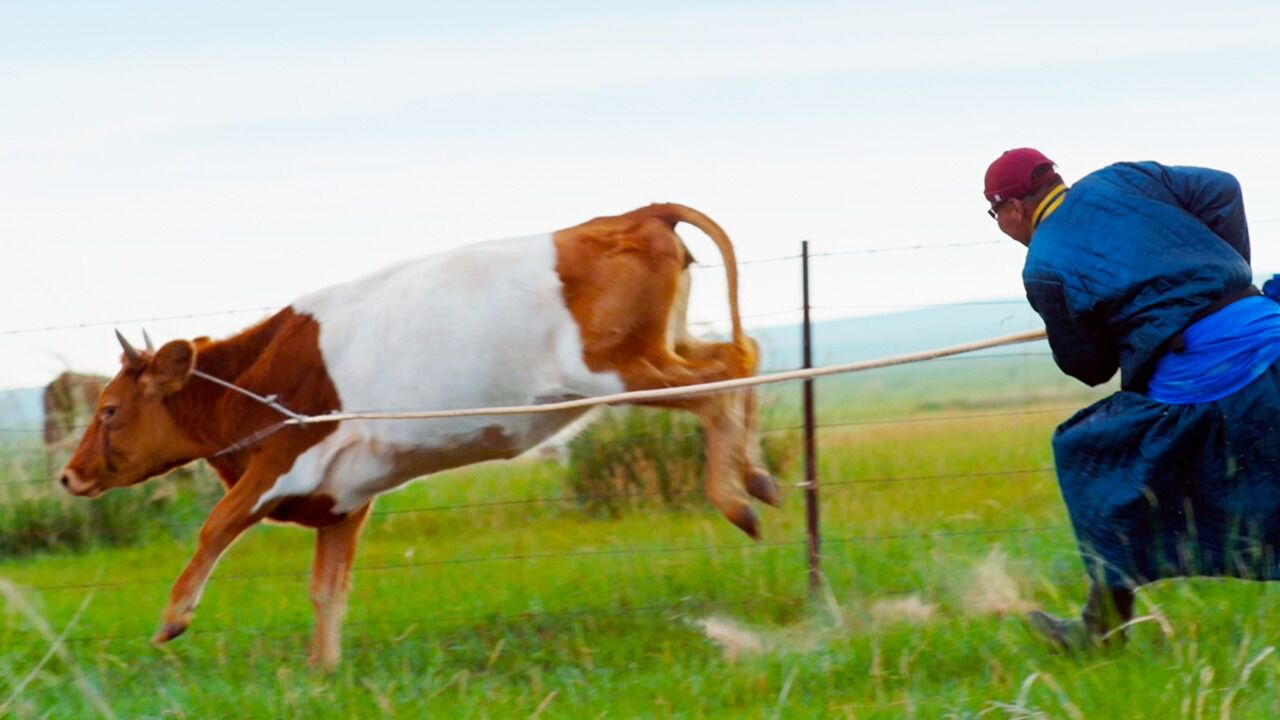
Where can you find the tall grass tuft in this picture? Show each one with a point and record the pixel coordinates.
(638, 457)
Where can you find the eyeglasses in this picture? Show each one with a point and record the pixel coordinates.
(994, 210)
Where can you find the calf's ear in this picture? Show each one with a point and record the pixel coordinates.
(172, 366)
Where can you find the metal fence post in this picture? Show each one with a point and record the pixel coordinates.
(810, 451)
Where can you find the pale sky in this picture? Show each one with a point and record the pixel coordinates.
(161, 159)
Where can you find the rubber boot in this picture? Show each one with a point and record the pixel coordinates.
(1099, 624)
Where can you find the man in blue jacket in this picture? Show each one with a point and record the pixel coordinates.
(1144, 268)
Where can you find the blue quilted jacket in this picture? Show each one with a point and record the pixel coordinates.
(1134, 251)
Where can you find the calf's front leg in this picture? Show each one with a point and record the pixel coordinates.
(233, 514)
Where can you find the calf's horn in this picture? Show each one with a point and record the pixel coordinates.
(129, 351)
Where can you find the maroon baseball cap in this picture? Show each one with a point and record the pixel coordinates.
(1010, 175)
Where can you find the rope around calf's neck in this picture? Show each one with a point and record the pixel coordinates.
(269, 400)
(299, 419)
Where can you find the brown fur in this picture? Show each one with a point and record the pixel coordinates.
(622, 278)
(155, 416)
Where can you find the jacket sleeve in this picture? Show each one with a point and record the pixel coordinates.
(1214, 197)
(1081, 345)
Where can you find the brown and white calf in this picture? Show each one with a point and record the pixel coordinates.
(594, 309)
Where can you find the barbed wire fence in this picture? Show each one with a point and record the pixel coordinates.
(810, 428)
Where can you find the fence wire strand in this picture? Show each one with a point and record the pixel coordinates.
(534, 557)
(134, 321)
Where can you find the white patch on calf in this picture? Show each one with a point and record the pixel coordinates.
(484, 325)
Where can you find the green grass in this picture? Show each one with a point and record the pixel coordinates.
(505, 610)
(38, 516)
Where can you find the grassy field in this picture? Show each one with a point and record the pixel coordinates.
(942, 522)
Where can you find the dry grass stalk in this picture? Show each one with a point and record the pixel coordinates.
(993, 590)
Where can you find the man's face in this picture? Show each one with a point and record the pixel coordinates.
(1014, 218)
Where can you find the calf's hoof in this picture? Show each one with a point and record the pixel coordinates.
(745, 519)
(760, 485)
(321, 663)
(167, 632)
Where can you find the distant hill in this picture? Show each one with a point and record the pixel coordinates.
(997, 378)
(21, 412)
(873, 336)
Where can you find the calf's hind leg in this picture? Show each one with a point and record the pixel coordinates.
(722, 423)
(755, 477)
(330, 583)
(757, 480)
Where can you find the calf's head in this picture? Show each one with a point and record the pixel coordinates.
(133, 435)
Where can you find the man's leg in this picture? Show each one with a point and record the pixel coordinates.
(1106, 609)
